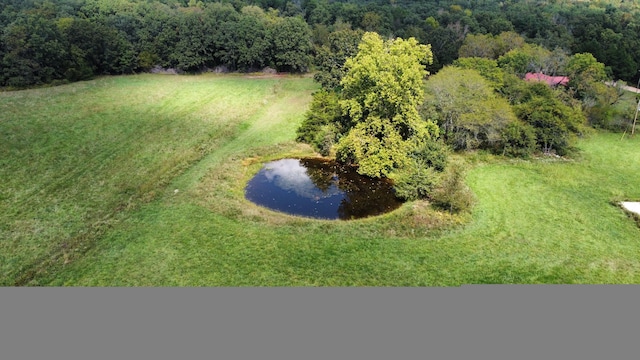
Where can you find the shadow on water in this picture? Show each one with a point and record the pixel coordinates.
(320, 189)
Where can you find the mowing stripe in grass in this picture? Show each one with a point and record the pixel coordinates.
(76, 155)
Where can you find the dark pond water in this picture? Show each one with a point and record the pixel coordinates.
(320, 189)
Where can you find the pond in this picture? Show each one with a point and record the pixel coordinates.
(320, 189)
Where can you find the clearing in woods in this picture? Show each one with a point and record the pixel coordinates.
(138, 181)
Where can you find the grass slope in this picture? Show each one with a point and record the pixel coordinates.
(75, 158)
(539, 221)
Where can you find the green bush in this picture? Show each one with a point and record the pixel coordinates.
(452, 194)
(434, 153)
(325, 139)
(609, 117)
(555, 123)
(416, 181)
(518, 140)
(320, 125)
(620, 120)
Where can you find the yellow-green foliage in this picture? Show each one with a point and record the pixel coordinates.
(488, 68)
(382, 90)
(375, 146)
(469, 113)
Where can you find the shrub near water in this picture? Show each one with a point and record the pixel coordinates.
(453, 194)
(322, 123)
(422, 175)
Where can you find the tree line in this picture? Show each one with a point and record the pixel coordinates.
(75, 40)
(44, 41)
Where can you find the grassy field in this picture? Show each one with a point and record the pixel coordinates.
(138, 181)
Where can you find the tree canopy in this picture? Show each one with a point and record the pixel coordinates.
(382, 89)
(469, 112)
(42, 41)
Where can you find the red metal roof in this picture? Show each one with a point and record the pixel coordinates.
(551, 80)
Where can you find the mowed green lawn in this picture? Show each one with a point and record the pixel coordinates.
(138, 181)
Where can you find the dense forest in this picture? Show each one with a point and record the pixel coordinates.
(44, 41)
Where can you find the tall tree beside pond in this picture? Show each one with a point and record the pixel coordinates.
(382, 90)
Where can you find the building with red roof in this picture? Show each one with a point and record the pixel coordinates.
(551, 80)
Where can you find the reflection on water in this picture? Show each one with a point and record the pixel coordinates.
(320, 189)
